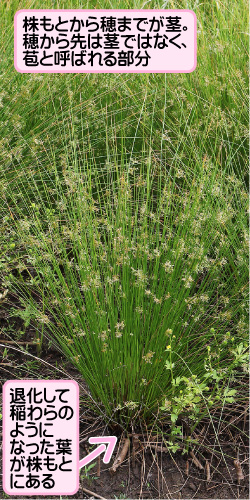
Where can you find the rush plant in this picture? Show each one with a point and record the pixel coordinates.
(123, 220)
(129, 271)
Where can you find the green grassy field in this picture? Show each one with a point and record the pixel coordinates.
(123, 220)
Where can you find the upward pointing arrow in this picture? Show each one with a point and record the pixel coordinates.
(103, 440)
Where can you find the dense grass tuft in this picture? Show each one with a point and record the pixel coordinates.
(124, 228)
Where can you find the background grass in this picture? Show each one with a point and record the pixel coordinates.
(81, 157)
(213, 98)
